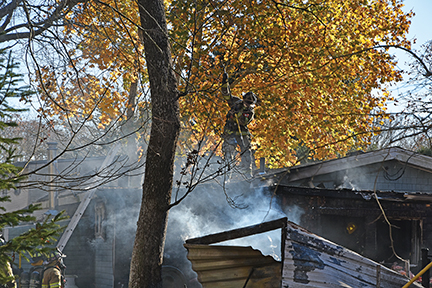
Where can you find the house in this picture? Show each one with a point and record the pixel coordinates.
(98, 251)
(353, 200)
(99, 245)
(335, 199)
(375, 206)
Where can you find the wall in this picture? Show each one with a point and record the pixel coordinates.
(329, 213)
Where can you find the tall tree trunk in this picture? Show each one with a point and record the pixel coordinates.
(151, 227)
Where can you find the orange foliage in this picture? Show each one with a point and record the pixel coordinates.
(313, 65)
(310, 63)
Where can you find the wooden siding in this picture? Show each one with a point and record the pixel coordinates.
(103, 264)
(312, 261)
(308, 261)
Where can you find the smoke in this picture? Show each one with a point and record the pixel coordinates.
(210, 208)
(207, 211)
(294, 213)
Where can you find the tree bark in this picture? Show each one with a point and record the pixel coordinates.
(151, 227)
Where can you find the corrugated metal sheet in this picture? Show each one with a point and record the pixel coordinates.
(312, 261)
(233, 267)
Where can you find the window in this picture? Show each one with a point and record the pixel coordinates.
(99, 220)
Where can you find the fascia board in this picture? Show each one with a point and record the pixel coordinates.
(298, 173)
(420, 161)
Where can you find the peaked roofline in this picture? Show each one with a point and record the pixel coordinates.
(309, 170)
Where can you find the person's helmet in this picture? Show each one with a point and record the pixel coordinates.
(250, 98)
(37, 260)
(55, 256)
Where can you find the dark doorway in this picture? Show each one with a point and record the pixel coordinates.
(403, 239)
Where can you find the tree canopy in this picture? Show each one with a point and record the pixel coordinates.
(411, 119)
(319, 69)
(314, 66)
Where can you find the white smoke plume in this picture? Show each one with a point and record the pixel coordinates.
(207, 211)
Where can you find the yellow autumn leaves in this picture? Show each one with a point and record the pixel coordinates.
(311, 63)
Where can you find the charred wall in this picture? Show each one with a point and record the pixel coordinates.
(355, 221)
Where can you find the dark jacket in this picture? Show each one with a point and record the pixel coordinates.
(239, 115)
(52, 277)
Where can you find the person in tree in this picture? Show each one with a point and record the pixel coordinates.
(236, 132)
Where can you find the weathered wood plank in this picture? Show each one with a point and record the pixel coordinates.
(221, 252)
(239, 233)
(309, 259)
(239, 273)
(227, 263)
(263, 277)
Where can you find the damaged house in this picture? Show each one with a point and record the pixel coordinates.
(343, 200)
(351, 200)
(376, 204)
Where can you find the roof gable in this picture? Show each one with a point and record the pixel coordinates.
(413, 159)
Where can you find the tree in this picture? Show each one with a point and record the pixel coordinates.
(145, 271)
(324, 59)
(22, 20)
(410, 126)
(78, 136)
(28, 128)
(151, 227)
(8, 91)
(35, 240)
(313, 72)
(309, 53)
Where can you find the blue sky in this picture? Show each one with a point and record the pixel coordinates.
(419, 28)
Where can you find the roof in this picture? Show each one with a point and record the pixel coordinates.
(393, 196)
(312, 261)
(309, 170)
